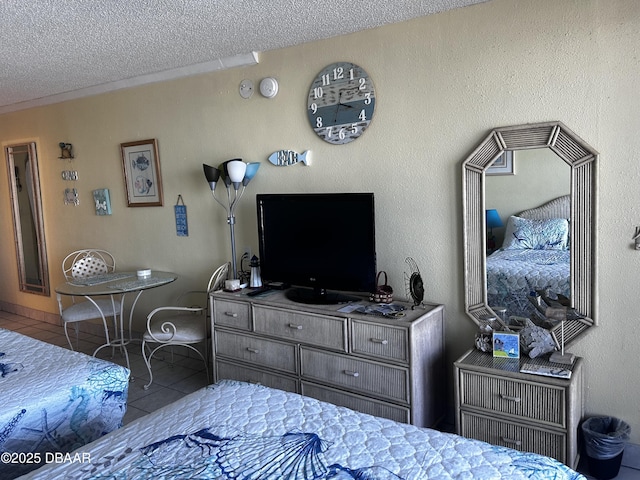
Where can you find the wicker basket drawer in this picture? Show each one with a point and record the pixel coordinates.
(539, 402)
(381, 341)
(383, 381)
(246, 374)
(260, 351)
(356, 402)
(513, 435)
(319, 330)
(232, 314)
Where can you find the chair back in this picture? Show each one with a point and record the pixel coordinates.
(87, 263)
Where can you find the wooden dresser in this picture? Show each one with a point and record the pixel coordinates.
(498, 404)
(389, 367)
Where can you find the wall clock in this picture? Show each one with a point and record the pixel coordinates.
(341, 102)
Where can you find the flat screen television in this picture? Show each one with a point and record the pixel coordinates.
(322, 244)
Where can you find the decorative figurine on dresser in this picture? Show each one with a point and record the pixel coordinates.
(528, 394)
(383, 359)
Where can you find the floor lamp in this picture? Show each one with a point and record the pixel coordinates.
(236, 175)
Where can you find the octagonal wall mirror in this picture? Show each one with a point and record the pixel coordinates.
(579, 207)
(28, 223)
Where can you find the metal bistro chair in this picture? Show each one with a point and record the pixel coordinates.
(82, 264)
(181, 326)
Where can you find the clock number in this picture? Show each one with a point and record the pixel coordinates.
(318, 92)
(329, 132)
(325, 80)
(319, 122)
(362, 116)
(314, 108)
(341, 134)
(338, 73)
(354, 128)
(351, 74)
(363, 83)
(367, 99)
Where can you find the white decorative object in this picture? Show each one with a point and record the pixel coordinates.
(269, 87)
(146, 273)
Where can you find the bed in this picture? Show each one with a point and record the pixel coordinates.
(535, 255)
(239, 430)
(53, 400)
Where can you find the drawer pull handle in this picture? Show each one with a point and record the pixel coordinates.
(510, 398)
(381, 341)
(351, 373)
(293, 326)
(512, 441)
(231, 314)
(253, 350)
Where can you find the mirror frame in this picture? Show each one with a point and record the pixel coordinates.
(23, 284)
(582, 159)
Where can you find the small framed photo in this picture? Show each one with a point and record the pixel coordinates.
(506, 345)
(141, 167)
(503, 165)
(102, 201)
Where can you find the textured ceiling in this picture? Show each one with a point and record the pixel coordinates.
(53, 50)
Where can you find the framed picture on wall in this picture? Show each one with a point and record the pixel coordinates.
(141, 167)
(503, 165)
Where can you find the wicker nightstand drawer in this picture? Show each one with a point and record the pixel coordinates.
(318, 330)
(256, 350)
(513, 435)
(232, 314)
(371, 378)
(380, 341)
(527, 400)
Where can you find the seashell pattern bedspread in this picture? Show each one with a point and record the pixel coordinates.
(53, 400)
(235, 430)
(513, 274)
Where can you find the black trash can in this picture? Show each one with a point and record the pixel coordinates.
(604, 440)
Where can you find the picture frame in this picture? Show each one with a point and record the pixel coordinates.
(503, 165)
(141, 168)
(102, 201)
(506, 345)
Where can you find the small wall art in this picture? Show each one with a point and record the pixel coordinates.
(102, 201)
(141, 167)
(506, 345)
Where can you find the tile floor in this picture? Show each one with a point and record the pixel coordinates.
(170, 381)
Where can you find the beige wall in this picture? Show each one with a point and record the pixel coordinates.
(442, 83)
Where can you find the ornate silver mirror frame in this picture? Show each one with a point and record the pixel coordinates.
(28, 223)
(583, 162)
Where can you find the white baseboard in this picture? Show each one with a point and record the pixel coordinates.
(631, 457)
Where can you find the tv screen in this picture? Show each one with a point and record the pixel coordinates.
(322, 241)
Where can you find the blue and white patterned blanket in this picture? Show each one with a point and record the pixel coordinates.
(234, 430)
(53, 400)
(513, 274)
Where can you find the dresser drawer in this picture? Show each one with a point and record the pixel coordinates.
(356, 402)
(381, 341)
(243, 373)
(513, 435)
(537, 402)
(318, 330)
(384, 381)
(259, 351)
(232, 314)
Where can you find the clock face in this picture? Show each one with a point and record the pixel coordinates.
(341, 102)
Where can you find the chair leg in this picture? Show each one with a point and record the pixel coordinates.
(66, 332)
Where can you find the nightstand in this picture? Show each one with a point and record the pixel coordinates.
(499, 405)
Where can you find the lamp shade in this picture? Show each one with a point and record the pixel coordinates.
(236, 170)
(212, 174)
(493, 219)
(252, 169)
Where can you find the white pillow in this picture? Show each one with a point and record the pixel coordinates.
(549, 234)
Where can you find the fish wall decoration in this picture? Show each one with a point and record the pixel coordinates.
(283, 158)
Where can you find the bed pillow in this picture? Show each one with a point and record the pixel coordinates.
(549, 234)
